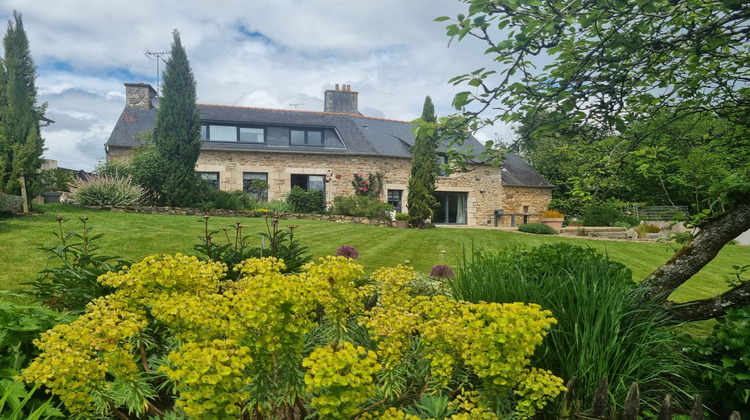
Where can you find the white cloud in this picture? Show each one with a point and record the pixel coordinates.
(243, 52)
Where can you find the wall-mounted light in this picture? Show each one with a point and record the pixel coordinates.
(481, 191)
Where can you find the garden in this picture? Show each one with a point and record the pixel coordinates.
(265, 317)
(267, 314)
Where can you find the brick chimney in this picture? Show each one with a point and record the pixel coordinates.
(139, 95)
(341, 100)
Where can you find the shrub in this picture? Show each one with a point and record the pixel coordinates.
(569, 207)
(56, 179)
(627, 220)
(272, 207)
(643, 229)
(537, 228)
(604, 214)
(270, 342)
(182, 187)
(361, 206)
(113, 168)
(649, 228)
(304, 201)
(725, 361)
(10, 204)
(102, 190)
(227, 200)
(602, 328)
(402, 216)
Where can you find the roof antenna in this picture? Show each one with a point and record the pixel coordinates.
(295, 106)
(148, 53)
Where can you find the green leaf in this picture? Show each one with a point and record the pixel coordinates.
(441, 19)
(461, 99)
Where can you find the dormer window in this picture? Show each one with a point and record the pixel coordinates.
(233, 133)
(298, 137)
(252, 135)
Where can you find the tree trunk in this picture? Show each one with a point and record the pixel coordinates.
(690, 259)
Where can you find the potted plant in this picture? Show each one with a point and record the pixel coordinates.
(553, 219)
(402, 220)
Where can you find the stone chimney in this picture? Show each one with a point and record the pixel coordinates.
(341, 100)
(139, 95)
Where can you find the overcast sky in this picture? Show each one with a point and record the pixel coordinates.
(273, 54)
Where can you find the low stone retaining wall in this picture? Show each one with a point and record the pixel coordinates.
(183, 211)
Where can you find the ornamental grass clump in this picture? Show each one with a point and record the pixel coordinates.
(603, 328)
(105, 190)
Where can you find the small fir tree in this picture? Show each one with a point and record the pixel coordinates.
(178, 129)
(421, 197)
(21, 143)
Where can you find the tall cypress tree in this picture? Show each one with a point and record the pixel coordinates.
(178, 128)
(21, 143)
(423, 177)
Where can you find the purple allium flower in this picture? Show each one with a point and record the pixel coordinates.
(442, 272)
(347, 251)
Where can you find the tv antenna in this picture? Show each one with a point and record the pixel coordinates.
(295, 106)
(158, 55)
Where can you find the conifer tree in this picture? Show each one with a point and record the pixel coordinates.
(421, 200)
(21, 143)
(178, 128)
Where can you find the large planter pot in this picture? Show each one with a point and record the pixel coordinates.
(402, 224)
(553, 222)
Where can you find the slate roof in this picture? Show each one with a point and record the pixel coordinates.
(361, 135)
(517, 173)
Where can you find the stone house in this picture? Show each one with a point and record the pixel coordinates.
(323, 150)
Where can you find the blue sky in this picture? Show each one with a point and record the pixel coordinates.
(243, 52)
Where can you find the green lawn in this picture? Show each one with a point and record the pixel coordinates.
(135, 236)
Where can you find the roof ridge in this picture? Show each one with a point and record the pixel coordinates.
(301, 111)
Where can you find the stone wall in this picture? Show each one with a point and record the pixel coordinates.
(118, 154)
(524, 201)
(482, 185)
(184, 211)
